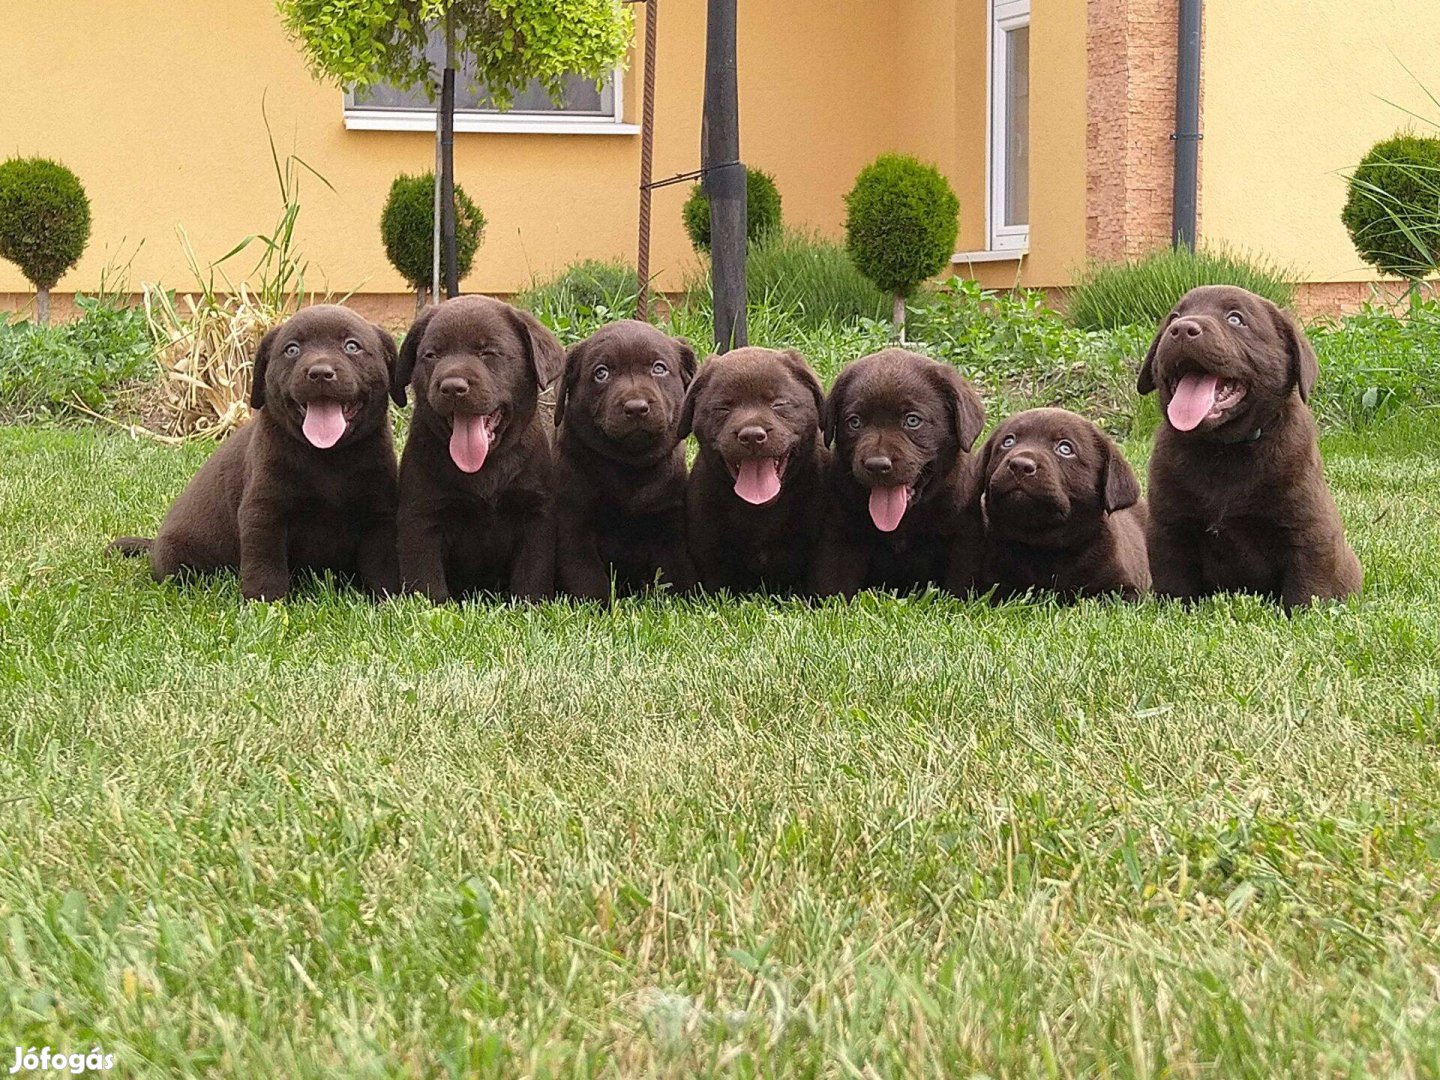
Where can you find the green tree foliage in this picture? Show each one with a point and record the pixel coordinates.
(1393, 208)
(407, 227)
(44, 222)
(762, 210)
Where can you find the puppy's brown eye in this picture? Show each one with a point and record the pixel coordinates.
(352, 346)
(1234, 319)
(913, 420)
(292, 350)
(853, 423)
(1007, 442)
(1064, 449)
(781, 405)
(659, 368)
(601, 373)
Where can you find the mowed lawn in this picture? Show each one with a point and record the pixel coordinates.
(896, 837)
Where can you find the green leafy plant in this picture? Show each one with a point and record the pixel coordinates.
(762, 210)
(1392, 210)
(901, 222)
(407, 227)
(803, 278)
(48, 371)
(582, 298)
(44, 223)
(1141, 291)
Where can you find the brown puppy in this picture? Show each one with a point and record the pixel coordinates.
(1062, 510)
(475, 478)
(620, 473)
(1238, 499)
(754, 502)
(309, 482)
(904, 507)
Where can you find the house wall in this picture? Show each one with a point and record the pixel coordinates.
(157, 107)
(1296, 91)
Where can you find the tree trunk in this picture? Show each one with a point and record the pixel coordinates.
(420, 298)
(897, 316)
(447, 162)
(725, 177)
(647, 156)
(42, 306)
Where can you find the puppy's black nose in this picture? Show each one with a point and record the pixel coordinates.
(636, 408)
(1186, 328)
(878, 466)
(454, 386)
(1021, 465)
(320, 373)
(753, 435)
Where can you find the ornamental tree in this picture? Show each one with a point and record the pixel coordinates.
(1393, 209)
(900, 225)
(44, 223)
(407, 227)
(506, 43)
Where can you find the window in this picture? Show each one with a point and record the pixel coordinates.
(1009, 144)
(583, 108)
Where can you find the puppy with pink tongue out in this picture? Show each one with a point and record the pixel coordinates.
(309, 482)
(476, 501)
(904, 501)
(754, 499)
(1238, 498)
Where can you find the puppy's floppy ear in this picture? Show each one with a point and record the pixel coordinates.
(801, 369)
(987, 455)
(547, 358)
(1304, 367)
(387, 346)
(1119, 487)
(967, 412)
(692, 398)
(1145, 384)
(835, 405)
(686, 354)
(262, 362)
(409, 350)
(574, 358)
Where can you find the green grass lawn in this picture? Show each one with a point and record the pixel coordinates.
(895, 837)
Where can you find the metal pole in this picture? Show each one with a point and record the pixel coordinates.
(435, 224)
(447, 161)
(647, 159)
(1187, 134)
(725, 177)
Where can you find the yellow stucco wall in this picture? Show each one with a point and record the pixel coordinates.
(157, 106)
(1295, 92)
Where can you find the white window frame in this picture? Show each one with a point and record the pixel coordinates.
(362, 118)
(1005, 15)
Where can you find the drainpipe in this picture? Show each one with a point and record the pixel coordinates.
(1187, 134)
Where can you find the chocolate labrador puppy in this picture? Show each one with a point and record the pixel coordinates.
(754, 502)
(476, 510)
(1238, 499)
(309, 482)
(1062, 510)
(904, 506)
(620, 471)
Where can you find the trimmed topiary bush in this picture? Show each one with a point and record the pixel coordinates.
(44, 223)
(900, 225)
(762, 210)
(407, 226)
(1393, 208)
(1141, 292)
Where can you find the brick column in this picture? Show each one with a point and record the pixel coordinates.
(1130, 103)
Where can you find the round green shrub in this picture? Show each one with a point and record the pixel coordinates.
(407, 226)
(901, 222)
(44, 219)
(1393, 208)
(762, 210)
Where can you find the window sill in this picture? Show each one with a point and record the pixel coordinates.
(424, 120)
(961, 258)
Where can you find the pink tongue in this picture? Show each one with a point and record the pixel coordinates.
(887, 506)
(324, 423)
(1192, 401)
(469, 442)
(759, 480)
